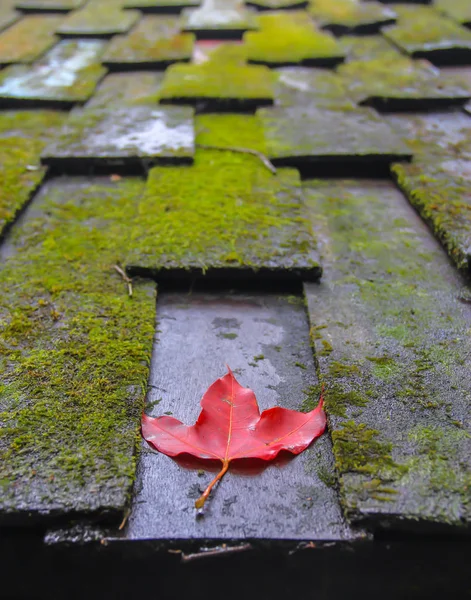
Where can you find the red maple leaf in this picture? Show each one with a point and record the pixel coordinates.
(231, 427)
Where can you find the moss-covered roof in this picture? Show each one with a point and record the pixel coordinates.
(108, 189)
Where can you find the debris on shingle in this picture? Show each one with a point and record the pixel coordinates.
(219, 19)
(344, 17)
(339, 137)
(436, 38)
(76, 351)
(49, 5)
(389, 332)
(23, 135)
(218, 85)
(458, 10)
(28, 39)
(67, 74)
(155, 42)
(160, 6)
(277, 4)
(291, 39)
(128, 137)
(98, 20)
(394, 83)
(8, 16)
(305, 86)
(439, 191)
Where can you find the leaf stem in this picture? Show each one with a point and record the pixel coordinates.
(204, 496)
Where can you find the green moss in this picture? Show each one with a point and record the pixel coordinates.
(338, 400)
(357, 449)
(228, 336)
(385, 367)
(337, 369)
(437, 451)
(259, 357)
(327, 476)
(231, 130)
(289, 39)
(28, 39)
(326, 348)
(75, 352)
(214, 80)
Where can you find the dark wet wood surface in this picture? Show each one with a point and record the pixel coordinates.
(265, 340)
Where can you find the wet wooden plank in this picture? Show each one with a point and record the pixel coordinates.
(66, 75)
(345, 17)
(75, 351)
(302, 43)
(218, 19)
(265, 340)
(155, 43)
(389, 325)
(127, 137)
(98, 20)
(28, 39)
(340, 137)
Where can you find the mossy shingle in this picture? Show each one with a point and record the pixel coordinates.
(291, 39)
(67, 74)
(8, 16)
(439, 190)
(129, 136)
(98, 20)
(49, 5)
(303, 86)
(28, 39)
(458, 10)
(341, 135)
(389, 310)
(155, 42)
(221, 85)
(74, 351)
(349, 16)
(226, 213)
(22, 137)
(160, 6)
(434, 37)
(219, 19)
(390, 82)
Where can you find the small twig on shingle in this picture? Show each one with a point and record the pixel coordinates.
(127, 279)
(269, 165)
(125, 519)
